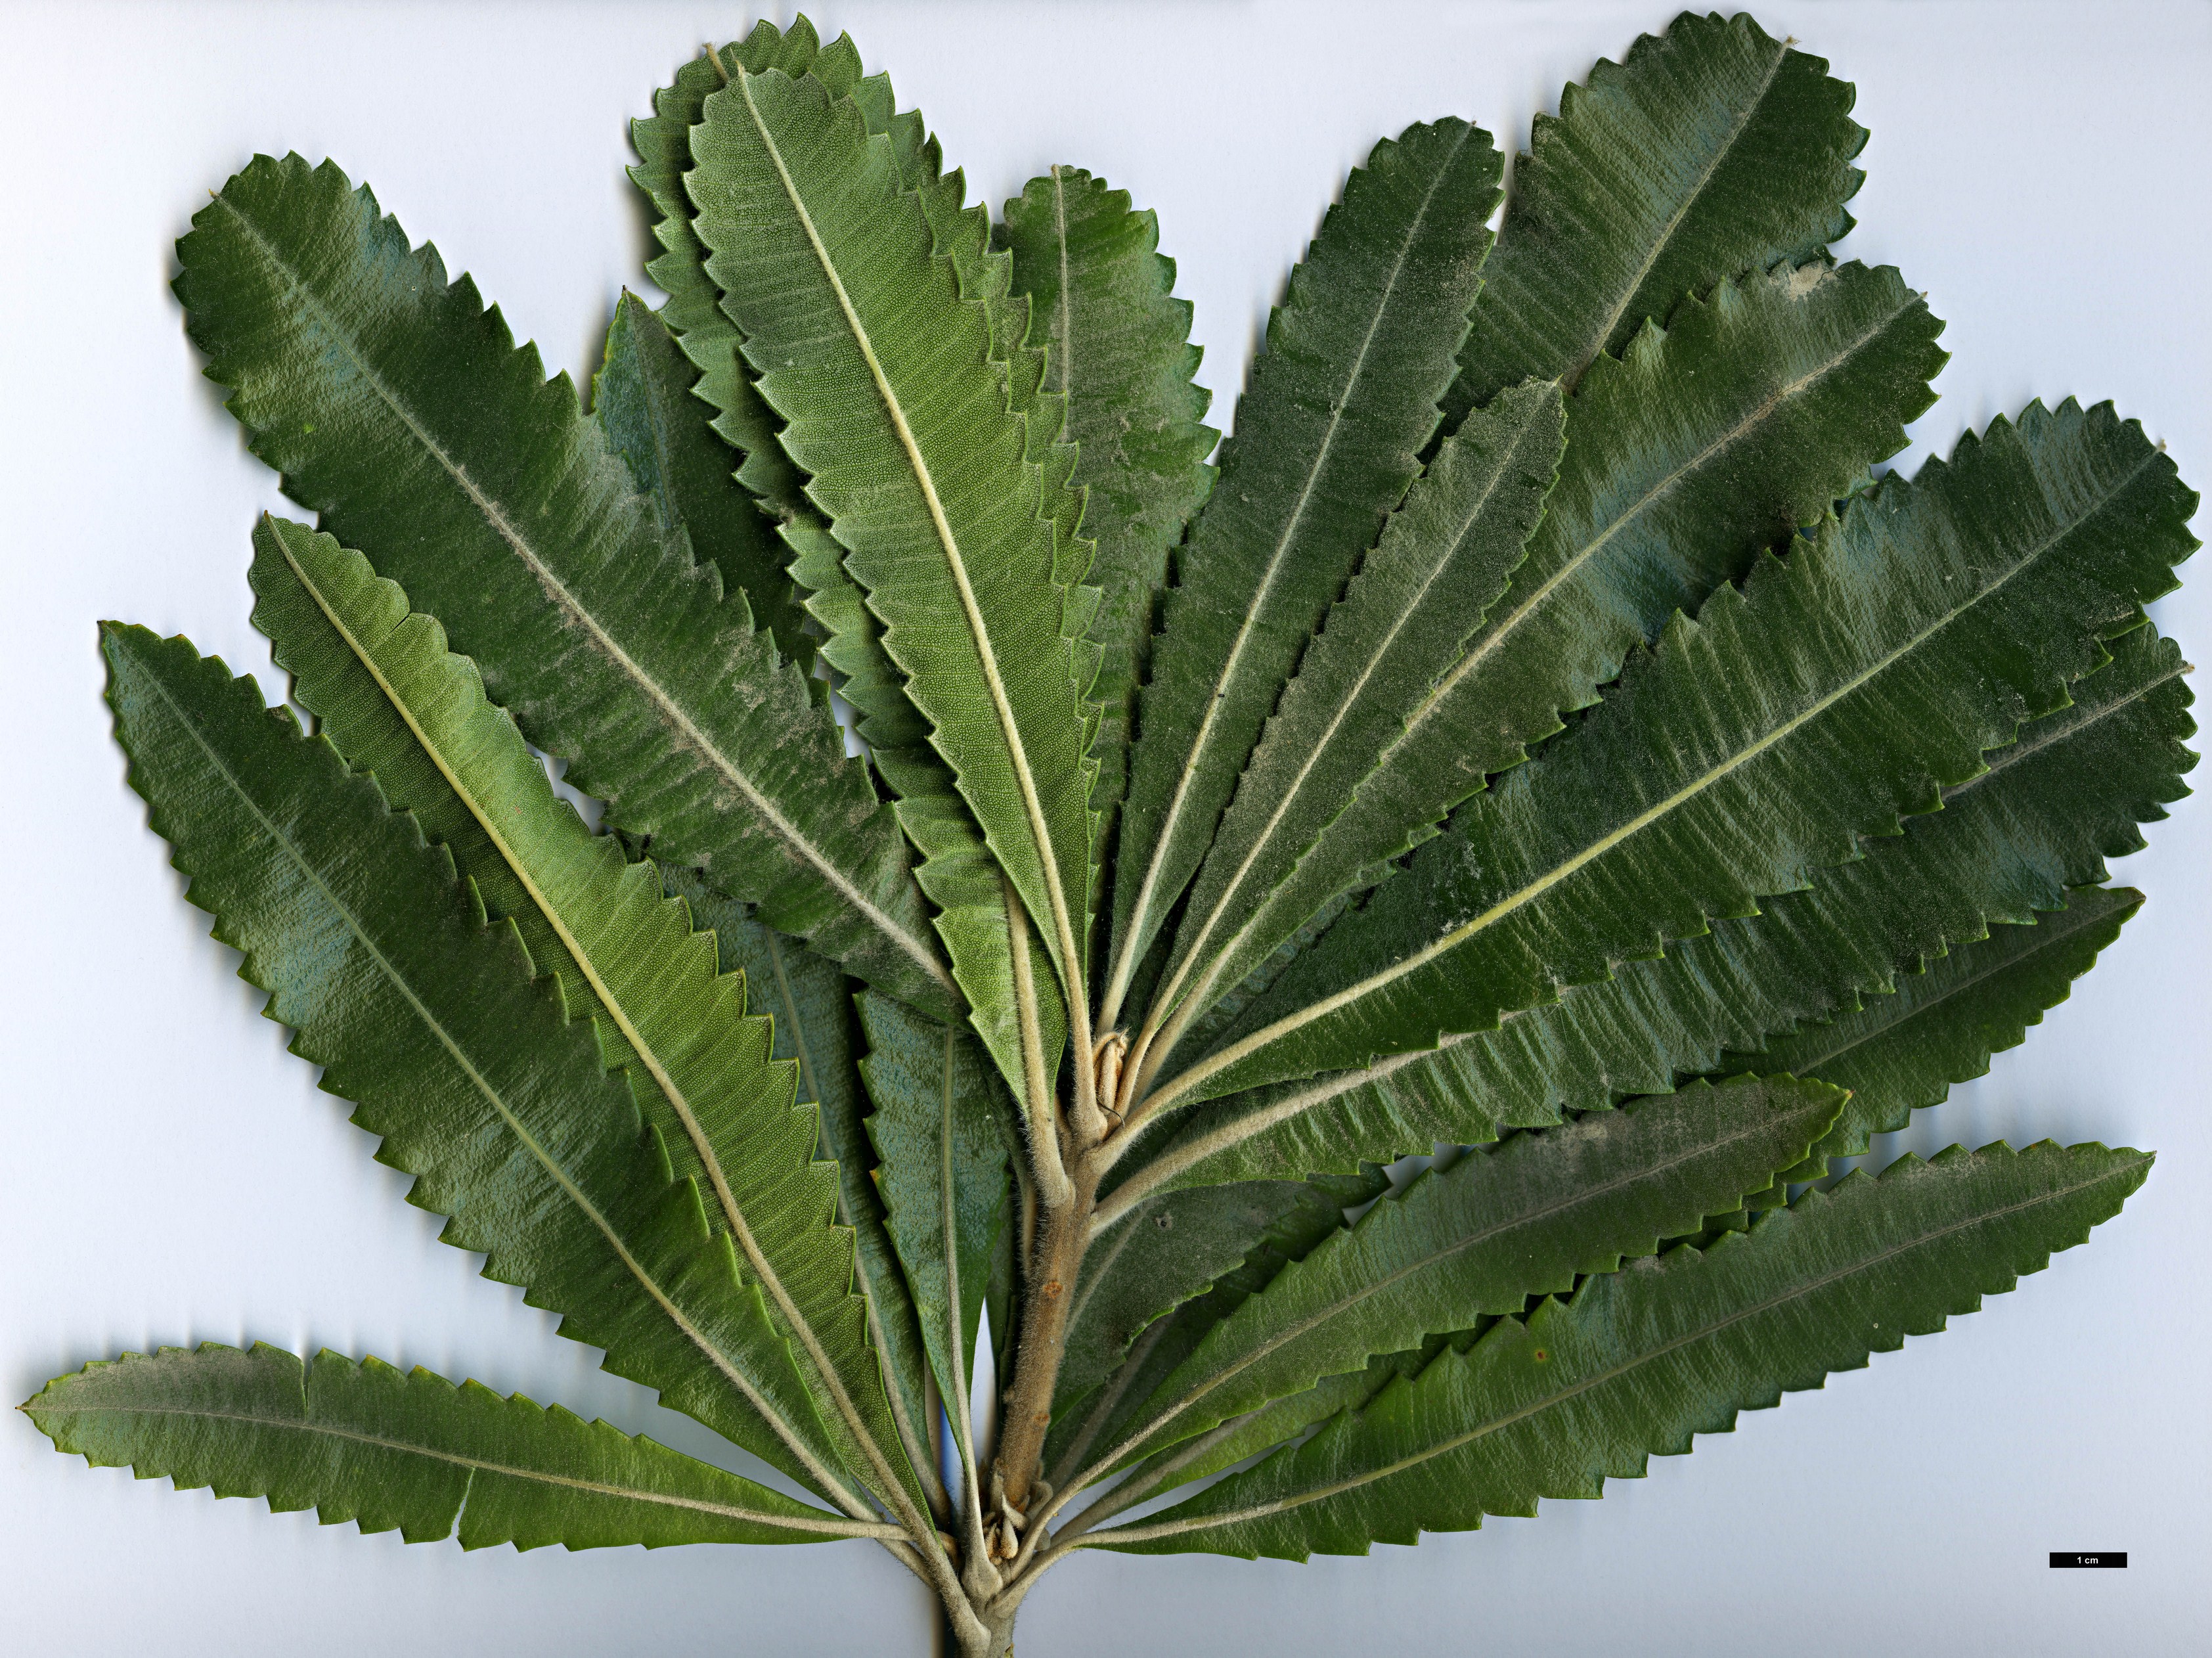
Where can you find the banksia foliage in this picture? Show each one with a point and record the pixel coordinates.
(1537, 744)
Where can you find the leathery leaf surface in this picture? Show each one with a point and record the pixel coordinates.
(400, 409)
(1715, 437)
(1641, 1362)
(883, 372)
(469, 1070)
(1327, 439)
(1487, 1233)
(1711, 150)
(1118, 351)
(944, 1177)
(409, 1453)
(398, 703)
(2043, 817)
(1838, 691)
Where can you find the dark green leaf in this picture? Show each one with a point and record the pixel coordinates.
(399, 408)
(1327, 438)
(1713, 150)
(943, 1178)
(394, 701)
(1641, 1362)
(468, 1070)
(642, 399)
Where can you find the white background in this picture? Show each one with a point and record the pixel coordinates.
(169, 1174)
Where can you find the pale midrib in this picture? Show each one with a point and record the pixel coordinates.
(616, 1006)
(825, 1525)
(1189, 1154)
(2049, 933)
(697, 1337)
(1629, 290)
(1344, 709)
(2027, 748)
(1375, 1286)
(1164, 1167)
(1140, 925)
(673, 713)
(1592, 548)
(1047, 858)
(1139, 1533)
(1605, 843)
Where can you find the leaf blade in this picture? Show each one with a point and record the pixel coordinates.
(409, 1453)
(397, 408)
(1326, 443)
(1642, 1361)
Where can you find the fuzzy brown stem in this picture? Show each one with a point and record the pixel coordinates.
(1048, 1297)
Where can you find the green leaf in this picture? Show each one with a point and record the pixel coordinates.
(1487, 1233)
(1098, 1417)
(1118, 351)
(943, 1179)
(1641, 1362)
(1713, 439)
(407, 1452)
(1444, 556)
(883, 370)
(395, 702)
(1838, 692)
(957, 873)
(399, 409)
(642, 399)
(694, 311)
(1156, 1258)
(1713, 150)
(2008, 842)
(812, 1004)
(1900, 1053)
(1327, 436)
(470, 1072)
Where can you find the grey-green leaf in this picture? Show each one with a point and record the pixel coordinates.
(1838, 692)
(1715, 438)
(409, 1453)
(1494, 1228)
(2041, 817)
(1641, 1362)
